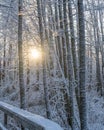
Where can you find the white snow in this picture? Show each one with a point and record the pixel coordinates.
(95, 111)
(36, 119)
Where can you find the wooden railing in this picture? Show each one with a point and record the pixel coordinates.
(26, 119)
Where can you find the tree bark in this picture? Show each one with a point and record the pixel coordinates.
(20, 55)
(83, 113)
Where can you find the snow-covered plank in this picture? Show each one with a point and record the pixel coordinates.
(27, 119)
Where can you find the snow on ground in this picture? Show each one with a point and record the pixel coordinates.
(95, 111)
(95, 107)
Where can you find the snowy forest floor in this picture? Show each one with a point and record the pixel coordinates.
(95, 110)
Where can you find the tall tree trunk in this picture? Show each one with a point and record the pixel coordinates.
(62, 39)
(83, 113)
(70, 70)
(102, 47)
(20, 55)
(97, 50)
(73, 46)
(39, 7)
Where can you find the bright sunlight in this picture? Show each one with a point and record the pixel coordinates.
(35, 53)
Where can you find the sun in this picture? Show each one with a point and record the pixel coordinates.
(35, 53)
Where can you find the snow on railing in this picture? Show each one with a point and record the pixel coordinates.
(27, 119)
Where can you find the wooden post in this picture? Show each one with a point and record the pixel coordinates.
(5, 119)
